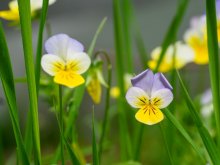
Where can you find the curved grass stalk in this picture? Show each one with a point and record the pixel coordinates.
(26, 30)
(213, 61)
(7, 79)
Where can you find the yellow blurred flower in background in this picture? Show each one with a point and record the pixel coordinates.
(196, 38)
(176, 56)
(13, 13)
(115, 91)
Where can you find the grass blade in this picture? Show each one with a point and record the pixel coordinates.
(107, 102)
(28, 140)
(213, 60)
(206, 138)
(172, 30)
(40, 42)
(1, 147)
(7, 79)
(73, 156)
(95, 156)
(26, 30)
(184, 133)
(125, 144)
(126, 14)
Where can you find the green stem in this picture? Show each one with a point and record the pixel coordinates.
(125, 144)
(213, 61)
(138, 142)
(1, 147)
(107, 101)
(25, 20)
(61, 125)
(40, 43)
(162, 128)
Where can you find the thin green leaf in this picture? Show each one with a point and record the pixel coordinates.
(98, 31)
(95, 155)
(126, 14)
(138, 141)
(172, 30)
(73, 156)
(1, 147)
(107, 101)
(40, 42)
(26, 30)
(206, 138)
(28, 140)
(184, 133)
(7, 79)
(125, 144)
(213, 60)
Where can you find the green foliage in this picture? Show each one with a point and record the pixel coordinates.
(7, 79)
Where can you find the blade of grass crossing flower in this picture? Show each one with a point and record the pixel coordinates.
(184, 133)
(79, 92)
(172, 30)
(40, 42)
(125, 144)
(206, 138)
(72, 154)
(95, 156)
(7, 79)
(213, 61)
(25, 21)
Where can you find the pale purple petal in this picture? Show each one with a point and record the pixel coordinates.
(160, 82)
(61, 43)
(144, 81)
(218, 7)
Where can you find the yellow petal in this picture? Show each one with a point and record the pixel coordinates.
(201, 54)
(94, 89)
(149, 115)
(199, 46)
(68, 79)
(9, 15)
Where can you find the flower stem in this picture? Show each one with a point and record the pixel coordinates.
(107, 100)
(61, 125)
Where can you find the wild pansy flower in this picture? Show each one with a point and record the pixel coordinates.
(176, 56)
(95, 80)
(196, 38)
(150, 93)
(65, 60)
(115, 91)
(13, 13)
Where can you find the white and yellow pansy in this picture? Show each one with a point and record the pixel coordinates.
(176, 57)
(149, 94)
(196, 38)
(65, 60)
(13, 13)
